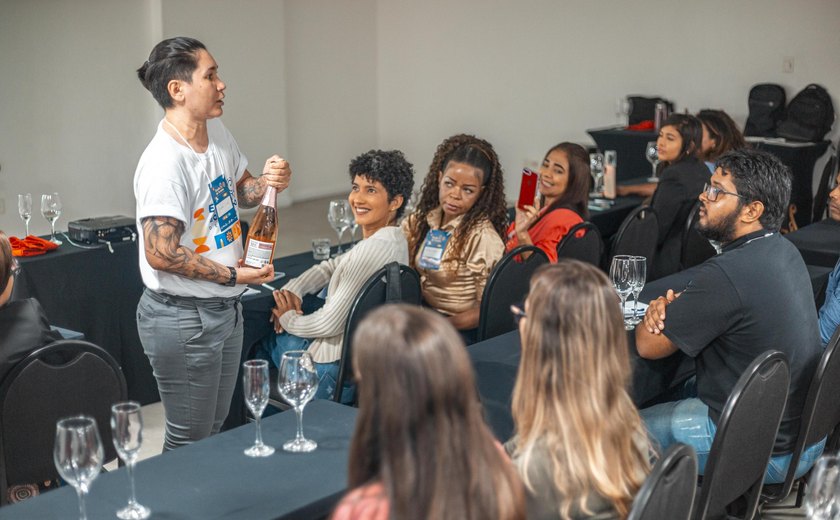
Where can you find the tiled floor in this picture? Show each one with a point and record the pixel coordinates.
(300, 223)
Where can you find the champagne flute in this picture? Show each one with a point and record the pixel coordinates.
(823, 499)
(622, 276)
(78, 454)
(652, 156)
(353, 227)
(596, 166)
(339, 217)
(640, 274)
(127, 434)
(51, 210)
(256, 389)
(298, 383)
(25, 209)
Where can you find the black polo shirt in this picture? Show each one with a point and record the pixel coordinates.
(753, 297)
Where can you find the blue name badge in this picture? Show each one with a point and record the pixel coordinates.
(223, 203)
(433, 248)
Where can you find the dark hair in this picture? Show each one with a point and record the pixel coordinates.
(760, 176)
(723, 130)
(175, 58)
(6, 261)
(490, 205)
(576, 195)
(691, 132)
(391, 169)
(420, 430)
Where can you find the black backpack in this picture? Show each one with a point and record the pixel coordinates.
(767, 108)
(810, 115)
(644, 108)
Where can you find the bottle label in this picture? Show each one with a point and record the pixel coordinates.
(258, 253)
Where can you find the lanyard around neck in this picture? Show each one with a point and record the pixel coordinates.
(199, 160)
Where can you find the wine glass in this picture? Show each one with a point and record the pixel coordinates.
(339, 217)
(652, 156)
(623, 106)
(823, 499)
(596, 166)
(51, 210)
(127, 434)
(256, 389)
(78, 454)
(25, 209)
(622, 275)
(298, 383)
(353, 227)
(640, 275)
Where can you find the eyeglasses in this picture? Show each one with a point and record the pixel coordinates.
(518, 314)
(712, 193)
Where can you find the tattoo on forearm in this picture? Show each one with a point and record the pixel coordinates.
(163, 242)
(250, 191)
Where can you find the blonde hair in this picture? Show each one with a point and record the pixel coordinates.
(571, 393)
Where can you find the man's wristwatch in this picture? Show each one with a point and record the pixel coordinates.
(232, 281)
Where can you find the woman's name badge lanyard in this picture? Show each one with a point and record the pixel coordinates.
(433, 247)
(220, 193)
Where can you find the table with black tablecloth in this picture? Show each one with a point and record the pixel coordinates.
(819, 242)
(212, 478)
(629, 147)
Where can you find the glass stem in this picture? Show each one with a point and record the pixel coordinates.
(27, 228)
(82, 512)
(299, 436)
(623, 302)
(340, 236)
(259, 441)
(635, 302)
(52, 228)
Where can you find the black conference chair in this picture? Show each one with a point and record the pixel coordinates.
(820, 417)
(695, 249)
(393, 283)
(508, 284)
(637, 236)
(744, 440)
(668, 492)
(588, 247)
(62, 379)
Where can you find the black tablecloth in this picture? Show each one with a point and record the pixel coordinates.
(819, 242)
(214, 479)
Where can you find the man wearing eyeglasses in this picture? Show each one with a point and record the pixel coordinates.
(753, 297)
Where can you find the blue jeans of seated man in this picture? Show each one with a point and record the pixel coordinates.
(275, 345)
(687, 421)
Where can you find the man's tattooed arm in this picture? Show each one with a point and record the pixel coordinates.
(164, 252)
(249, 191)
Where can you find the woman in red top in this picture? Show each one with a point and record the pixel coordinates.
(564, 192)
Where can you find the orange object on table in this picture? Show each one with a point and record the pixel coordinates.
(30, 246)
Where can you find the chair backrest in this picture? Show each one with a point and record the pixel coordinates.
(62, 379)
(638, 235)
(820, 413)
(745, 436)
(695, 249)
(668, 492)
(588, 247)
(393, 283)
(508, 284)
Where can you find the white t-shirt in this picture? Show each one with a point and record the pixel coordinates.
(173, 181)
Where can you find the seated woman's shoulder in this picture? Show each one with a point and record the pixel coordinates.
(368, 502)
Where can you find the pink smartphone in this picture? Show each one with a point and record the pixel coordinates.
(527, 188)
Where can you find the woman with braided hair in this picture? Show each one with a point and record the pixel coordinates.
(455, 232)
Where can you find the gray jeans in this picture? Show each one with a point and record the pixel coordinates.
(194, 346)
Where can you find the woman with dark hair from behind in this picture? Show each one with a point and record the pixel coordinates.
(579, 444)
(421, 449)
(23, 324)
(720, 135)
(455, 232)
(561, 204)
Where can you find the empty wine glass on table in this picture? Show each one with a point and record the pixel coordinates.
(339, 217)
(78, 454)
(25, 209)
(51, 210)
(596, 167)
(639, 277)
(256, 388)
(823, 499)
(298, 382)
(622, 274)
(127, 434)
(652, 156)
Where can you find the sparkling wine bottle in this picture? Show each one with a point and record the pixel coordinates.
(259, 248)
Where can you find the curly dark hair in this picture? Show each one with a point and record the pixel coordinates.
(761, 176)
(389, 168)
(478, 153)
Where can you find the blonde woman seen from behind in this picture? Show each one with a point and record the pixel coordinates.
(579, 445)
